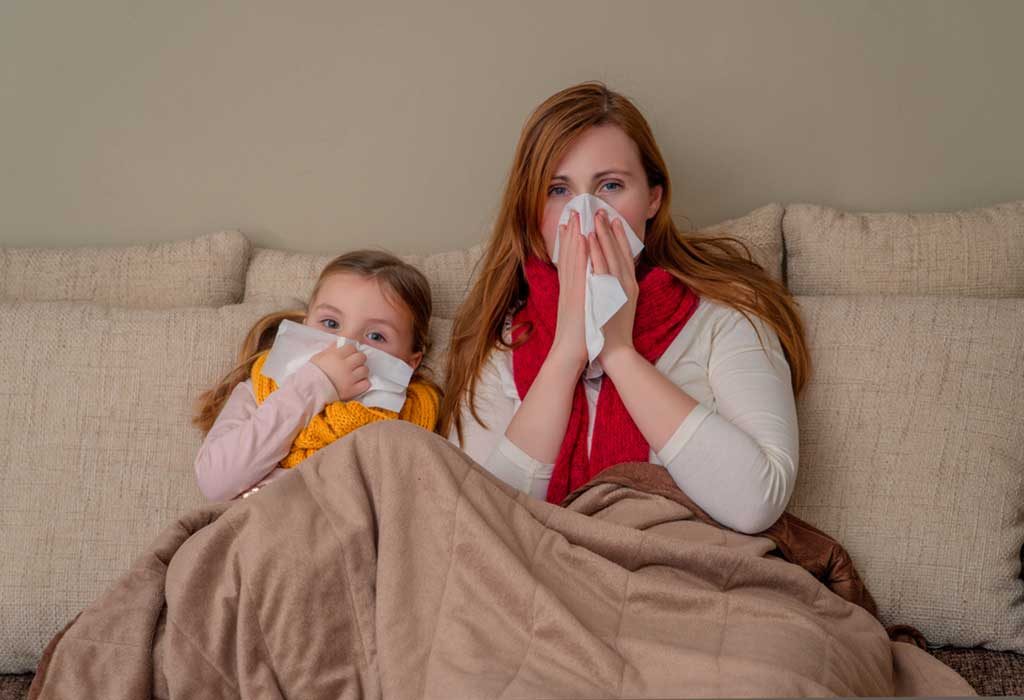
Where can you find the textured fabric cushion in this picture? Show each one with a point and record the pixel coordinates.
(204, 271)
(988, 672)
(440, 337)
(912, 456)
(978, 252)
(276, 273)
(761, 230)
(96, 448)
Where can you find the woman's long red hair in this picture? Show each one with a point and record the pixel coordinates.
(719, 268)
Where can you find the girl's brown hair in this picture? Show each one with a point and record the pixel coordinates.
(399, 280)
(719, 268)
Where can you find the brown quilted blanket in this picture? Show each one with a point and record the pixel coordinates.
(391, 565)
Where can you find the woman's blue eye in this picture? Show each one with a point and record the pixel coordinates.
(376, 337)
(559, 190)
(330, 323)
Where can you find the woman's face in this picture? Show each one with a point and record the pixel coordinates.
(605, 162)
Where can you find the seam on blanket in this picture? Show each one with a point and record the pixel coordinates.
(533, 609)
(622, 610)
(823, 671)
(79, 638)
(202, 654)
(826, 677)
(725, 627)
(830, 640)
(622, 614)
(345, 563)
(447, 579)
(255, 617)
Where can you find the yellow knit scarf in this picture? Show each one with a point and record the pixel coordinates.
(342, 417)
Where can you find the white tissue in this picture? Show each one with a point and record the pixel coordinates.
(604, 295)
(296, 343)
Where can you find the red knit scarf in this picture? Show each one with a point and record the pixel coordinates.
(664, 306)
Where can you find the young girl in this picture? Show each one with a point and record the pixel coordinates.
(257, 430)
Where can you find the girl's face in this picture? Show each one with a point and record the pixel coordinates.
(605, 162)
(358, 308)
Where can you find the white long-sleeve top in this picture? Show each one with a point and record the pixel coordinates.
(735, 454)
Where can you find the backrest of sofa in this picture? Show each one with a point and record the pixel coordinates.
(203, 271)
(912, 424)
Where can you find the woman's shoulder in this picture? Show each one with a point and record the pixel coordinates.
(732, 330)
(724, 315)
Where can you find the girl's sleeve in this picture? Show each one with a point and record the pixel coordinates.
(488, 445)
(739, 462)
(248, 440)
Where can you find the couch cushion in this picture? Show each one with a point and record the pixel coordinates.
(204, 271)
(912, 456)
(96, 448)
(277, 273)
(761, 230)
(979, 252)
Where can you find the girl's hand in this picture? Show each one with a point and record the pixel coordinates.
(570, 344)
(346, 368)
(610, 255)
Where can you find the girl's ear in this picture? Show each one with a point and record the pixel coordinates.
(415, 360)
(655, 204)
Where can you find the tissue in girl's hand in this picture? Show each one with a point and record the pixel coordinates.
(296, 343)
(604, 294)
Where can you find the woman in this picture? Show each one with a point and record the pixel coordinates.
(696, 365)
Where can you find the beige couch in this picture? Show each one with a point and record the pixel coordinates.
(911, 429)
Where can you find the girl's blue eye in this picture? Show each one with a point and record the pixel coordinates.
(376, 337)
(618, 185)
(330, 323)
(559, 193)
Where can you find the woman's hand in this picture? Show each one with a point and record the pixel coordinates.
(346, 368)
(610, 255)
(538, 426)
(569, 348)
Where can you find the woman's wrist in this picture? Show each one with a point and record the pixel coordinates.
(564, 363)
(615, 361)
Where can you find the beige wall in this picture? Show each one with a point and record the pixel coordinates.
(337, 124)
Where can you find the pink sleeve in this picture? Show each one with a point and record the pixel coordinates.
(247, 440)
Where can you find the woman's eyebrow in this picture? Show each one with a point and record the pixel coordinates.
(597, 176)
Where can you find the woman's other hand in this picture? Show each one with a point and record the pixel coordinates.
(610, 255)
(569, 347)
(346, 368)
